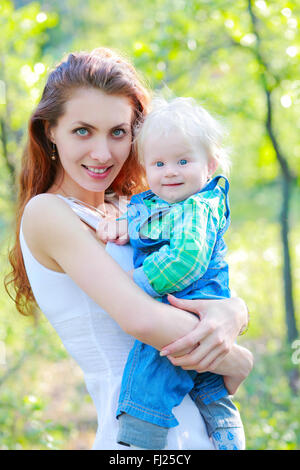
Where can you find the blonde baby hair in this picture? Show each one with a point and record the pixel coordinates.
(184, 116)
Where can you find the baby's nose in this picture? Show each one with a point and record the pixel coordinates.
(171, 171)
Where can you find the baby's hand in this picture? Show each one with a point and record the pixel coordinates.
(112, 230)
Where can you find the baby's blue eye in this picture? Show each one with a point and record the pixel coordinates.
(183, 161)
(159, 164)
(82, 131)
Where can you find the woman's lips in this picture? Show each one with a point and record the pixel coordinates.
(95, 175)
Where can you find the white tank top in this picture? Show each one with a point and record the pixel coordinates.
(100, 347)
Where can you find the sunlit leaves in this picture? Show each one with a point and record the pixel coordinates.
(23, 31)
(200, 48)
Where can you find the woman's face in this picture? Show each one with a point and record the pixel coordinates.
(93, 139)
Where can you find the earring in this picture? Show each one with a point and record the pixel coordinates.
(53, 154)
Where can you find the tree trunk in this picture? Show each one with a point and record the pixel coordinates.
(292, 332)
(286, 177)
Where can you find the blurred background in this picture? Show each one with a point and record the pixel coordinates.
(241, 61)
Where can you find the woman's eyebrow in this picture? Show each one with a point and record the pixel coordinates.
(86, 124)
(123, 124)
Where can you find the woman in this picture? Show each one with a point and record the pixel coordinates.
(80, 145)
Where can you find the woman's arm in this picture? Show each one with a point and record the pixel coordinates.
(235, 367)
(212, 339)
(242, 359)
(52, 229)
(211, 344)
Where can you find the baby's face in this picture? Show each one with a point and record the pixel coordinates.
(174, 169)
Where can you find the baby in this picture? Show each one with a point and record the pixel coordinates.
(176, 229)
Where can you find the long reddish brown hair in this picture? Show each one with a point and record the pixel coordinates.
(102, 69)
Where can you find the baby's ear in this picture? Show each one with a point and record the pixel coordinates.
(212, 166)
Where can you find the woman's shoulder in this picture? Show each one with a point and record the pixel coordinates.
(43, 215)
(42, 202)
(48, 220)
(45, 208)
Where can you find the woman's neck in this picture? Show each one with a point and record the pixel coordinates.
(69, 189)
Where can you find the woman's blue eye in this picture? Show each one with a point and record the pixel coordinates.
(118, 132)
(82, 131)
(159, 164)
(183, 161)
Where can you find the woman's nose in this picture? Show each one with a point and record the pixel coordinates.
(101, 151)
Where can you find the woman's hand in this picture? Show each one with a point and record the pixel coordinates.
(212, 339)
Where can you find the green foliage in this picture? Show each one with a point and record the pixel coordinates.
(200, 48)
(34, 371)
(207, 50)
(22, 35)
(270, 411)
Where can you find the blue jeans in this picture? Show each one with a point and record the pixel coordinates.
(152, 387)
(221, 414)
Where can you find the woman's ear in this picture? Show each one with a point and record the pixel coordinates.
(49, 132)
